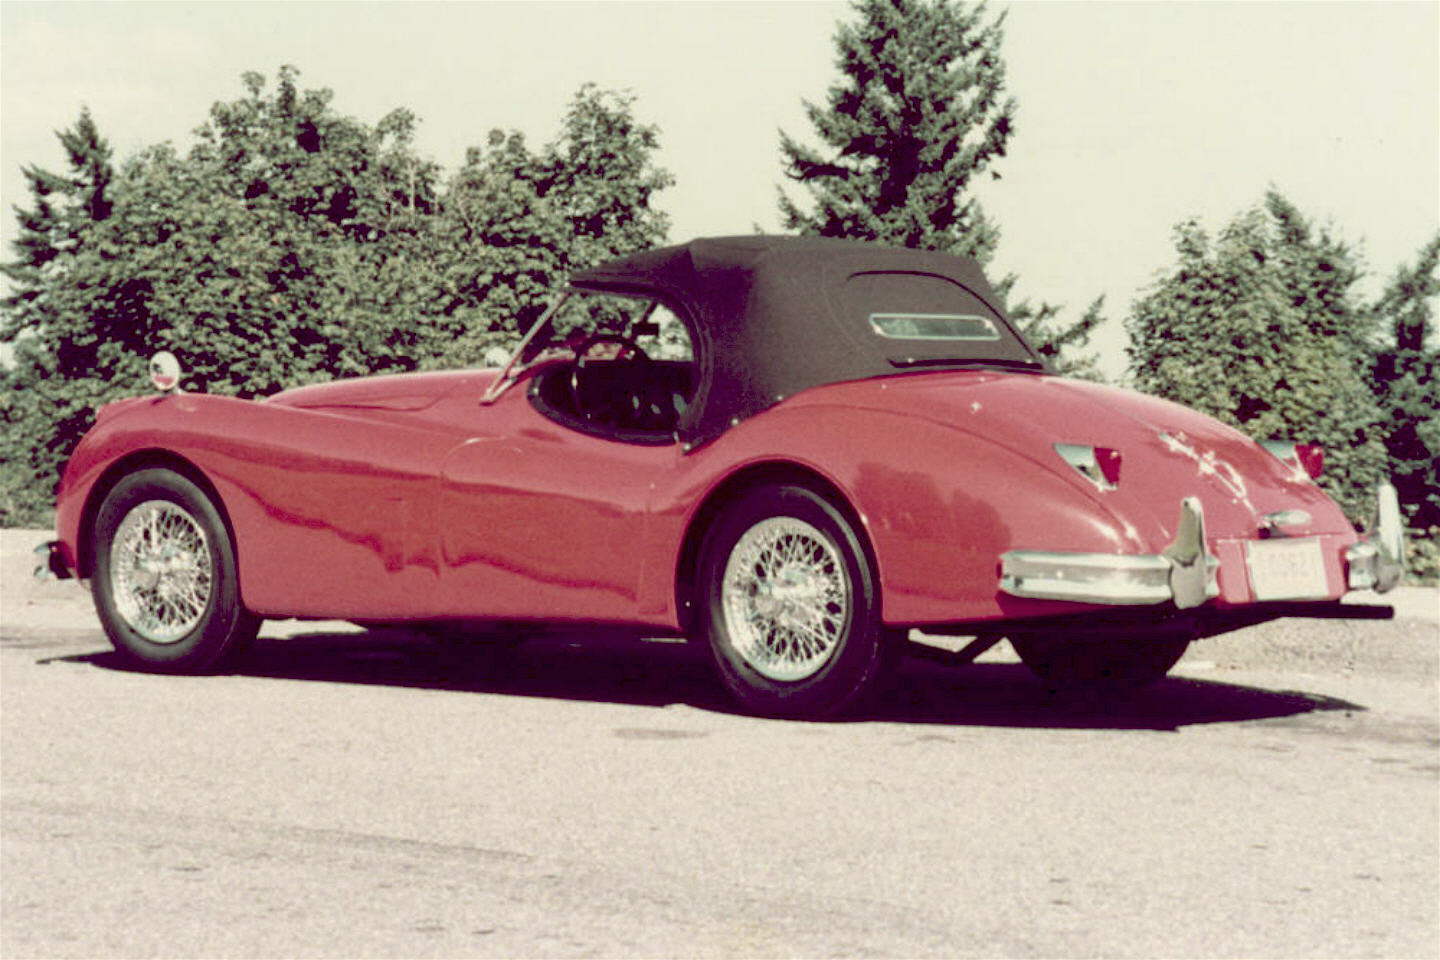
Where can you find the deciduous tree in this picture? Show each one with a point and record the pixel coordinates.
(1261, 329)
(519, 220)
(1406, 386)
(295, 243)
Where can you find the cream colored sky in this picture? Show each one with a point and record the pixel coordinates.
(1132, 116)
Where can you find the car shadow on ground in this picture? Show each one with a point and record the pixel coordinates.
(610, 670)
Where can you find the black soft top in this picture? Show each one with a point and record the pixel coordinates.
(771, 316)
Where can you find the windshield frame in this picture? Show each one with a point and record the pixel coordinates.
(508, 373)
(526, 355)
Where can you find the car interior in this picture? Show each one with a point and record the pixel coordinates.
(632, 383)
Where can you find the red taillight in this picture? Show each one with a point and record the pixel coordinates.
(1099, 465)
(1309, 457)
(1109, 462)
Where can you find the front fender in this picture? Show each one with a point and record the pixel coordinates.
(120, 431)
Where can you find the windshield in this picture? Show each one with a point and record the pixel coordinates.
(599, 325)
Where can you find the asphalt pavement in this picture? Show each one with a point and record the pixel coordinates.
(353, 794)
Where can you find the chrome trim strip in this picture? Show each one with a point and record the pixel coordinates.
(1082, 457)
(1085, 577)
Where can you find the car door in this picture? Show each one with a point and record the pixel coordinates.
(335, 499)
(542, 522)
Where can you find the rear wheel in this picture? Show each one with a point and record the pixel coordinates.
(165, 582)
(1112, 664)
(790, 606)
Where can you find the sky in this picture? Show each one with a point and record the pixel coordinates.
(1132, 116)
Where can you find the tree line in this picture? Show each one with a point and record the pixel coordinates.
(293, 243)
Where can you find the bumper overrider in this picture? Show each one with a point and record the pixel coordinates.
(1185, 573)
(1378, 561)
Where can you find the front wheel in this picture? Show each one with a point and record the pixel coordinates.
(790, 606)
(1110, 664)
(165, 581)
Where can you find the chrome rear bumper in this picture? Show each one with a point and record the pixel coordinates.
(1185, 572)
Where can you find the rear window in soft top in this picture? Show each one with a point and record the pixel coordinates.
(933, 326)
(922, 318)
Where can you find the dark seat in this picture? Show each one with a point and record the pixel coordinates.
(627, 395)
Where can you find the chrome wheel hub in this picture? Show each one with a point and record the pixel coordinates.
(160, 571)
(785, 597)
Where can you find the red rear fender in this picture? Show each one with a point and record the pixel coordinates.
(938, 505)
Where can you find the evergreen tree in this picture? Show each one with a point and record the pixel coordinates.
(53, 229)
(1261, 330)
(1060, 344)
(55, 233)
(918, 117)
(919, 114)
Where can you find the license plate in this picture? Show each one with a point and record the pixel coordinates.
(1286, 569)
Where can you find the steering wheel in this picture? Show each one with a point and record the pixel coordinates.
(629, 351)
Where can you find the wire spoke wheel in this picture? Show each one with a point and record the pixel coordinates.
(791, 608)
(161, 573)
(785, 598)
(165, 575)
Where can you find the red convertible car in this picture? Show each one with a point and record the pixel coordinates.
(792, 450)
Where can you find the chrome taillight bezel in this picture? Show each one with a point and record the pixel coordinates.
(1306, 459)
(1099, 465)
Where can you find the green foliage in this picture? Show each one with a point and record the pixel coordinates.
(25, 483)
(1422, 555)
(37, 412)
(293, 243)
(524, 220)
(919, 115)
(1260, 329)
(1406, 386)
(1060, 343)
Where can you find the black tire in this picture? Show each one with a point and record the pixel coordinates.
(1104, 665)
(761, 662)
(168, 593)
